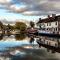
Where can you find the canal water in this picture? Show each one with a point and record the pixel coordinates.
(22, 47)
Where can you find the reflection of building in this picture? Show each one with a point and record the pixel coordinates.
(51, 24)
(4, 58)
(52, 44)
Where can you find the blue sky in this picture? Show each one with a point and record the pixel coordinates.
(28, 9)
(14, 16)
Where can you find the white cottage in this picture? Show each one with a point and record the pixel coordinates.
(51, 24)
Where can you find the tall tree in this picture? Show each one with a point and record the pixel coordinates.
(10, 27)
(1, 25)
(32, 24)
(20, 26)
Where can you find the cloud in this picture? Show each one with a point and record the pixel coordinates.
(41, 7)
(4, 2)
(32, 13)
(31, 7)
(16, 9)
(4, 21)
(38, 13)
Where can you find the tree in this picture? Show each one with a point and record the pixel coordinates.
(10, 27)
(39, 24)
(1, 25)
(20, 26)
(32, 24)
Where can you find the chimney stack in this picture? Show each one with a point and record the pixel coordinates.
(39, 18)
(53, 15)
(48, 16)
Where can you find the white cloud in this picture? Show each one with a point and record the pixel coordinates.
(29, 13)
(32, 7)
(14, 8)
(57, 5)
(37, 13)
(4, 1)
(43, 1)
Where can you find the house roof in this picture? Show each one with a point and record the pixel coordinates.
(50, 19)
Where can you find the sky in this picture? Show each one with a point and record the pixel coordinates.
(30, 10)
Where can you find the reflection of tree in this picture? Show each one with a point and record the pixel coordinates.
(20, 36)
(1, 37)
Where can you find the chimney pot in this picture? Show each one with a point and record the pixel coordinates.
(39, 18)
(53, 15)
(48, 16)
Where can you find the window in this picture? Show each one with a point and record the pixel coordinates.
(59, 29)
(47, 28)
(56, 23)
(49, 24)
(56, 29)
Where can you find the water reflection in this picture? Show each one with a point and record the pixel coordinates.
(20, 36)
(17, 36)
(50, 44)
(31, 39)
(1, 36)
(40, 54)
(21, 47)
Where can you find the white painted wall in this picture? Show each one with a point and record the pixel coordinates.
(53, 24)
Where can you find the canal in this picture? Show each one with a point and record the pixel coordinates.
(22, 47)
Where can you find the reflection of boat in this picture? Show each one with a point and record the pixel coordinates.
(53, 48)
(17, 53)
(28, 47)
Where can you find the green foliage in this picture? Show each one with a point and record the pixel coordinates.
(32, 24)
(10, 27)
(20, 36)
(1, 25)
(20, 26)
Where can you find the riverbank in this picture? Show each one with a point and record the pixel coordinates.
(51, 35)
